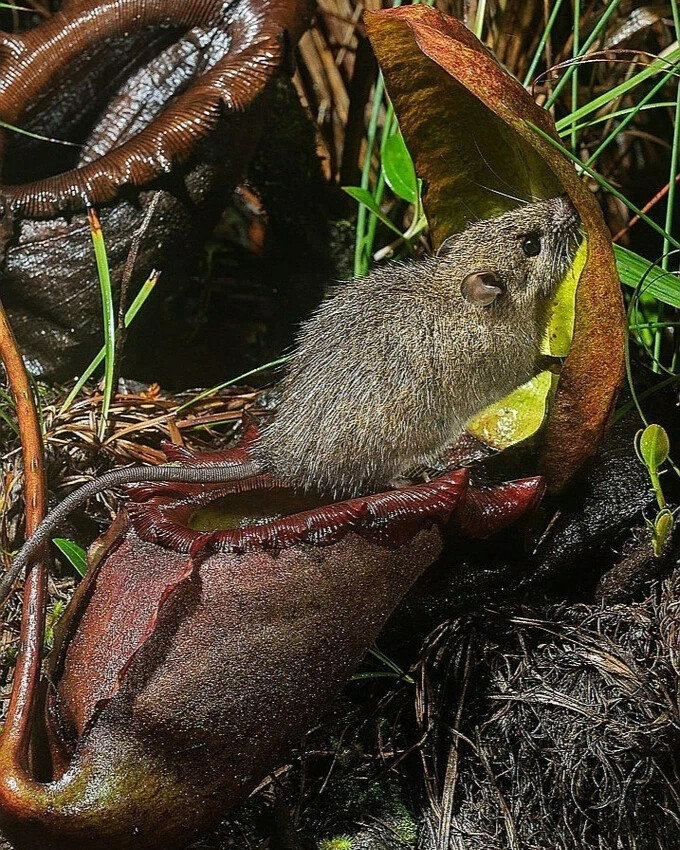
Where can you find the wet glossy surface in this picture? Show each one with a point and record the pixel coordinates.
(241, 44)
(161, 101)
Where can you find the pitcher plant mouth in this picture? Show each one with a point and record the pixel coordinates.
(263, 513)
(256, 40)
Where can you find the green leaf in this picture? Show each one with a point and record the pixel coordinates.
(653, 280)
(364, 197)
(398, 169)
(76, 556)
(654, 446)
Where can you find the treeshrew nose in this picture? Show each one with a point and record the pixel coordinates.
(567, 217)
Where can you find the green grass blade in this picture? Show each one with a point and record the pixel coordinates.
(672, 184)
(360, 249)
(542, 43)
(132, 311)
(8, 410)
(670, 200)
(384, 674)
(107, 314)
(625, 409)
(578, 52)
(634, 269)
(366, 220)
(478, 27)
(389, 127)
(574, 69)
(630, 117)
(622, 113)
(5, 126)
(658, 66)
(7, 419)
(206, 393)
(636, 326)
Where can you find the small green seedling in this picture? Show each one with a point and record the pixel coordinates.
(54, 612)
(400, 175)
(74, 554)
(653, 449)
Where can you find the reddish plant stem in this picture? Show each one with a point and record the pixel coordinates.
(15, 738)
(647, 207)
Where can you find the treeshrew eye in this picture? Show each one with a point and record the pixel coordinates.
(531, 244)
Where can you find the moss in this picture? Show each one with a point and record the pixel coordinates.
(340, 842)
(403, 824)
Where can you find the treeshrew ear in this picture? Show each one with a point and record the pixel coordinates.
(482, 287)
(447, 245)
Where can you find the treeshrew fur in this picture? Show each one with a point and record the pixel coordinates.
(387, 372)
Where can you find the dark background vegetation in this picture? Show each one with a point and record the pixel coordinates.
(497, 713)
